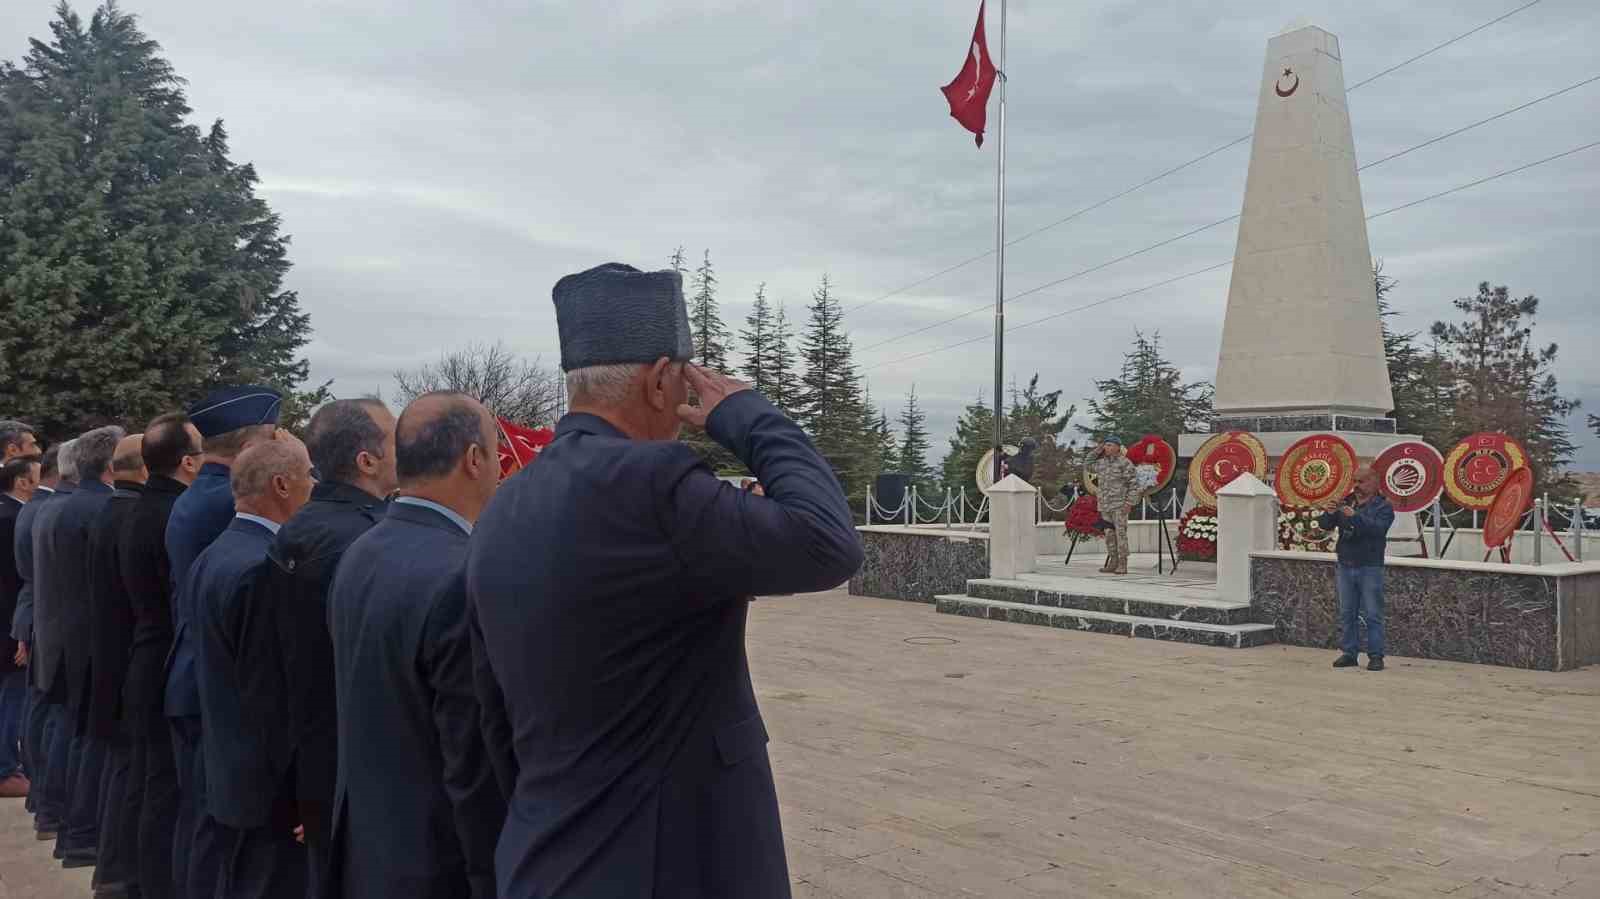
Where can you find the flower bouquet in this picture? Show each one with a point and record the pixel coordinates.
(1298, 530)
(1083, 517)
(1197, 535)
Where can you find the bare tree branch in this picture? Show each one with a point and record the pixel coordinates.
(520, 390)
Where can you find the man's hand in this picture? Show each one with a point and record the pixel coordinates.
(21, 657)
(1347, 511)
(712, 388)
(300, 834)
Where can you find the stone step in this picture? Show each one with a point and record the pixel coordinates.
(1122, 598)
(1232, 636)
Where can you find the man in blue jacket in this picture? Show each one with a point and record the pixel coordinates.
(611, 580)
(230, 421)
(1363, 520)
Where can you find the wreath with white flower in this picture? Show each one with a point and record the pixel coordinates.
(1197, 534)
(1299, 530)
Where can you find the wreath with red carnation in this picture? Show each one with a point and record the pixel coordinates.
(1083, 516)
(1197, 534)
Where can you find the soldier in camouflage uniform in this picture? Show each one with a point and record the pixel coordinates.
(1116, 483)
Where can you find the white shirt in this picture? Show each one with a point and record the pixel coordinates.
(267, 523)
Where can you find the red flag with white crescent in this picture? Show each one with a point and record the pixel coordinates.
(969, 92)
(519, 446)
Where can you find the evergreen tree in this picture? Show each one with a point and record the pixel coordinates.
(912, 456)
(974, 436)
(137, 267)
(677, 260)
(758, 346)
(1414, 374)
(786, 385)
(1038, 414)
(830, 400)
(888, 451)
(1148, 397)
(710, 334)
(1497, 379)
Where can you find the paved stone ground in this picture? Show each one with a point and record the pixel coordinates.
(930, 755)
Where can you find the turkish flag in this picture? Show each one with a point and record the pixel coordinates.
(519, 446)
(969, 92)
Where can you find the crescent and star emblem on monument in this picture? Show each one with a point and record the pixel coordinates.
(1293, 85)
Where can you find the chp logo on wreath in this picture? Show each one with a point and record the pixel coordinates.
(1413, 475)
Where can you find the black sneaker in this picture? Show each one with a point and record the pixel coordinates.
(1374, 663)
(1345, 661)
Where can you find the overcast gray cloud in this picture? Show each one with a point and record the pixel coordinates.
(441, 165)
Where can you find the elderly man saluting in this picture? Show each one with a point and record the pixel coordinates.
(612, 578)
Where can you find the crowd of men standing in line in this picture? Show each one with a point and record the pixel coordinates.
(250, 666)
(156, 581)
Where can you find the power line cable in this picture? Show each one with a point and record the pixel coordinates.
(1172, 171)
(1190, 233)
(1210, 268)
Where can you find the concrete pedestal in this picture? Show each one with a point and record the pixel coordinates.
(1247, 522)
(1012, 537)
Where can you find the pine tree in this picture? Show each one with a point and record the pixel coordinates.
(1413, 372)
(677, 260)
(1038, 414)
(710, 334)
(758, 346)
(888, 451)
(139, 269)
(785, 367)
(974, 436)
(1148, 397)
(1497, 379)
(911, 458)
(830, 400)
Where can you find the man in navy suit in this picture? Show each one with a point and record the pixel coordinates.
(61, 602)
(417, 810)
(37, 724)
(612, 578)
(248, 802)
(17, 480)
(230, 421)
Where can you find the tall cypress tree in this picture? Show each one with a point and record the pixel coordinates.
(137, 267)
(785, 367)
(830, 401)
(758, 349)
(710, 334)
(1148, 397)
(912, 456)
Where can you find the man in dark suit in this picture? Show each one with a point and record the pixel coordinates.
(230, 420)
(17, 480)
(249, 802)
(110, 631)
(351, 443)
(612, 579)
(418, 809)
(37, 730)
(172, 453)
(61, 625)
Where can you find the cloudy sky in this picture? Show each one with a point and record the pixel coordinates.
(441, 164)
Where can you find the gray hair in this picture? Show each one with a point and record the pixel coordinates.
(340, 431)
(93, 450)
(251, 474)
(11, 433)
(67, 460)
(603, 385)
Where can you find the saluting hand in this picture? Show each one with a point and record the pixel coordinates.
(712, 388)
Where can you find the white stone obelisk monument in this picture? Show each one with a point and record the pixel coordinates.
(1302, 349)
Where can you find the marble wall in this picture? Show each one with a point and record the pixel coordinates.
(900, 564)
(1518, 616)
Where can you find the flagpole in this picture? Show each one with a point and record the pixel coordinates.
(1000, 258)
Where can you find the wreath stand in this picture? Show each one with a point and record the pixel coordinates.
(1505, 552)
(1164, 537)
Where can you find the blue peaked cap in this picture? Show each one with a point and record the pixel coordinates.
(232, 408)
(614, 314)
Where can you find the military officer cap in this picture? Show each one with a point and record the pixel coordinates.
(232, 408)
(615, 314)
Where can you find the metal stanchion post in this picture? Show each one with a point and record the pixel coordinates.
(1538, 531)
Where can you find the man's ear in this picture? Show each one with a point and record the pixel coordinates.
(656, 384)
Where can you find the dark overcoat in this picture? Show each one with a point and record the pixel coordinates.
(10, 580)
(147, 575)
(611, 579)
(418, 808)
(304, 556)
(22, 547)
(199, 516)
(110, 630)
(61, 592)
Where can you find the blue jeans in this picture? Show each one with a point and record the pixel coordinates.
(1361, 593)
(13, 709)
